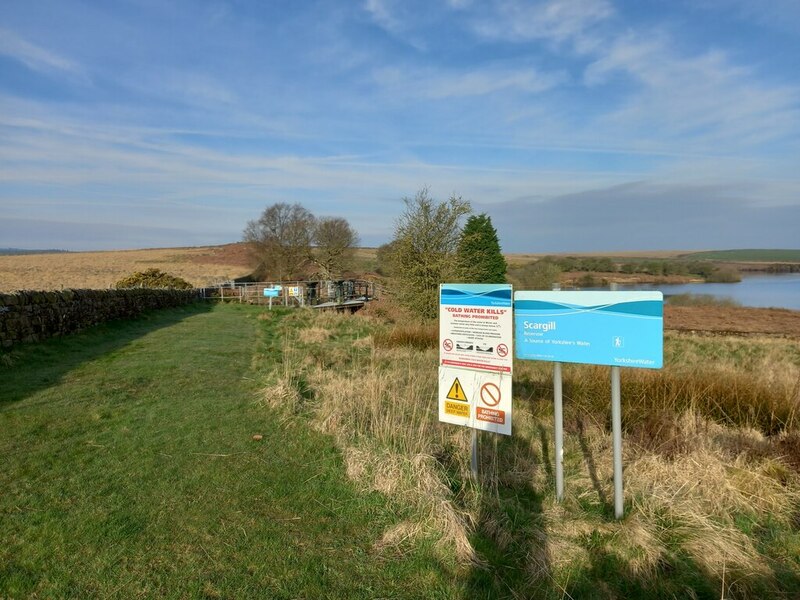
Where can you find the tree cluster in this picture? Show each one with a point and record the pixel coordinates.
(287, 242)
(432, 246)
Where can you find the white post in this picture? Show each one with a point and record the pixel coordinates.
(616, 431)
(558, 418)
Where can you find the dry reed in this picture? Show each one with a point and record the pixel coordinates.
(705, 449)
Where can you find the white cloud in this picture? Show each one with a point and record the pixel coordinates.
(780, 15)
(35, 57)
(556, 21)
(703, 98)
(440, 84)
(398, 19)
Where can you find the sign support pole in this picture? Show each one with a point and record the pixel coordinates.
(616, 429)
(558, 417)
(474, 459)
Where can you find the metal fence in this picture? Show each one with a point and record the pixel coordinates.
(317, 294)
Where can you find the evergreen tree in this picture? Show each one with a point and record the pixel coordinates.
(479, 257)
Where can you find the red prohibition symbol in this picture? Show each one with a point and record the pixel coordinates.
(490, 394)
(447, 345)
(502, 350)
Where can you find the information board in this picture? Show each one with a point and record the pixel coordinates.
(476, 326)
(272, 292)
(620, 329)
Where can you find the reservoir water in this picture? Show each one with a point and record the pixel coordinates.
(774, 290)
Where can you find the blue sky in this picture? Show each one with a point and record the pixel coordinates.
(577, 125)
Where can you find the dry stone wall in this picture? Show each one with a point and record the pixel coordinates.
(33, 316)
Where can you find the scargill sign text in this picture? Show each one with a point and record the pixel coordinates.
(622, 329)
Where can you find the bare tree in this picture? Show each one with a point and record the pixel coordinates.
(335, 242)
(280, 240)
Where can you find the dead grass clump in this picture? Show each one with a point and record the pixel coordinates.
(313, 335)
(385, 310)
(282, 394)
(364, 342)
(328, 319)
(398, 539)
(789, 448)
(417, 480)
(686, 499)
(413, 335)
(662, 433)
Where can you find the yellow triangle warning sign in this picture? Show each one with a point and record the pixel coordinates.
(457, 392)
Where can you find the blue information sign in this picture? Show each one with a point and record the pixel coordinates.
(272, 292)
(620, 329)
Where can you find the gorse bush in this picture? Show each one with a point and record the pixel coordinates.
(153, 278)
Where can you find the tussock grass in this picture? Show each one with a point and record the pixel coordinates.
(749, 383)
(409, 335)
(381, 409)
(712, 464)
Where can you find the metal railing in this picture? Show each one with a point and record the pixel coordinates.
(294, 293)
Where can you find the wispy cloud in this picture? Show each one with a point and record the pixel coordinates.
(780, 15)
(439, 84)
(557, 21)
(36, 57)
(703, 98)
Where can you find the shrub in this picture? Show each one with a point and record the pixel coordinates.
(540, 275)
(724, 276)
(153, 278)
(701, 300)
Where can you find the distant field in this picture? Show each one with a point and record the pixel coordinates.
(211, 264)
(747, 255)
(521, 258)
(98, 270)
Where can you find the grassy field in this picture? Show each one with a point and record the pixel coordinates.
(130, 470)
(100, 270)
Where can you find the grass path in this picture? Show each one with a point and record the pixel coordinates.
(129, 470)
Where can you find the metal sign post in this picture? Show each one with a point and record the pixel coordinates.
(473, 463)
(558, 418)
(616, 432)
(558, 421)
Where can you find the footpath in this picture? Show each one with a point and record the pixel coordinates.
(130, 469)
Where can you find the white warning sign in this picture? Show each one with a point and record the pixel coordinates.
(476, 326)
(477, 399)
